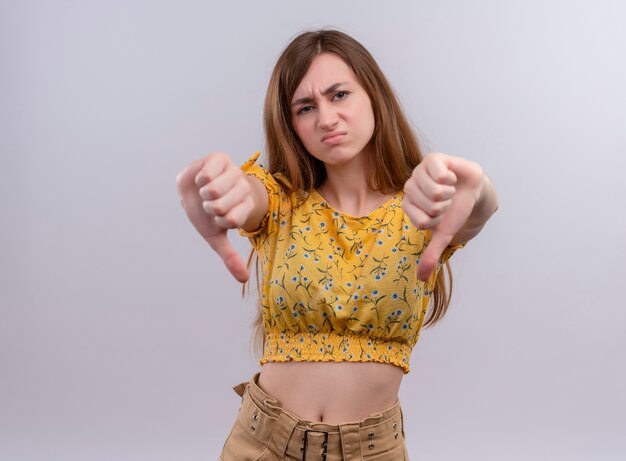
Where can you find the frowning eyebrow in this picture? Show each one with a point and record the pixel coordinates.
(328, 90)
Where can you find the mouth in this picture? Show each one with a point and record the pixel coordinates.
(334, 137)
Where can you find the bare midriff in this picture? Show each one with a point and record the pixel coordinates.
(332, 392)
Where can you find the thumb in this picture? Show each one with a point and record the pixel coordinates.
(233, 262)
(430, 257)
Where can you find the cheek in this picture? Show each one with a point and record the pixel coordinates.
(303, 130)
(371, 118)
(368, 121)
(362, 113)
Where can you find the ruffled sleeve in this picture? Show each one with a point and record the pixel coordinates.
(445, 256)
(449, 251)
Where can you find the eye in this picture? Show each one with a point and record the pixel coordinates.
(340, 95)
(305, 109)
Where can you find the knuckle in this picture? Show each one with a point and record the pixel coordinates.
(435, 210)
(200, 179)
(206, 206)
(212, 192)
(438, 194)
(220, 157)
(230, 220)
(422, 222)
(213, 208)
(218, 209)
(220, 223)
(245, 186)
(214, 156)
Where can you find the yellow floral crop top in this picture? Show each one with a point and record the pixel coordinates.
(337, 287)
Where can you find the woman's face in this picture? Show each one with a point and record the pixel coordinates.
(331, 112)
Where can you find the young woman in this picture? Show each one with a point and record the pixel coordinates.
(352, 226)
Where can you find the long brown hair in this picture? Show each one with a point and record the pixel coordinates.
(393, 151)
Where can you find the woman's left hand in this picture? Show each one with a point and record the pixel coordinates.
(440, 195)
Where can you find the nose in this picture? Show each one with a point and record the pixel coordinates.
(327, 116)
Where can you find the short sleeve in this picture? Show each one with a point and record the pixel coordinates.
(276, 196)
(445, 256)
(449, 251)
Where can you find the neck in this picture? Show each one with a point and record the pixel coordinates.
(348, 192)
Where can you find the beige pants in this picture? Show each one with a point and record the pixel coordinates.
(265, 432)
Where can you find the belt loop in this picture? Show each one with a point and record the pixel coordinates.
(350, 442)
(281, 434)
(241, 388)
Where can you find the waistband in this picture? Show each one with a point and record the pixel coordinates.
(286, 434)
(334, 347)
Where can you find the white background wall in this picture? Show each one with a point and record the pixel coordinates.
(120, 333)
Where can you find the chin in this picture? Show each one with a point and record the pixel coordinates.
(338, 156)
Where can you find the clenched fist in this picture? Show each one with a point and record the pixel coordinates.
(440, 195)
(217, 196)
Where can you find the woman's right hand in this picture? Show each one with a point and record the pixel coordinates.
(217, 196)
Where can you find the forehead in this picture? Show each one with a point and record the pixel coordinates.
(325, 70)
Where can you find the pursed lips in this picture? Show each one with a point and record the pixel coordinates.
(334, 137)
